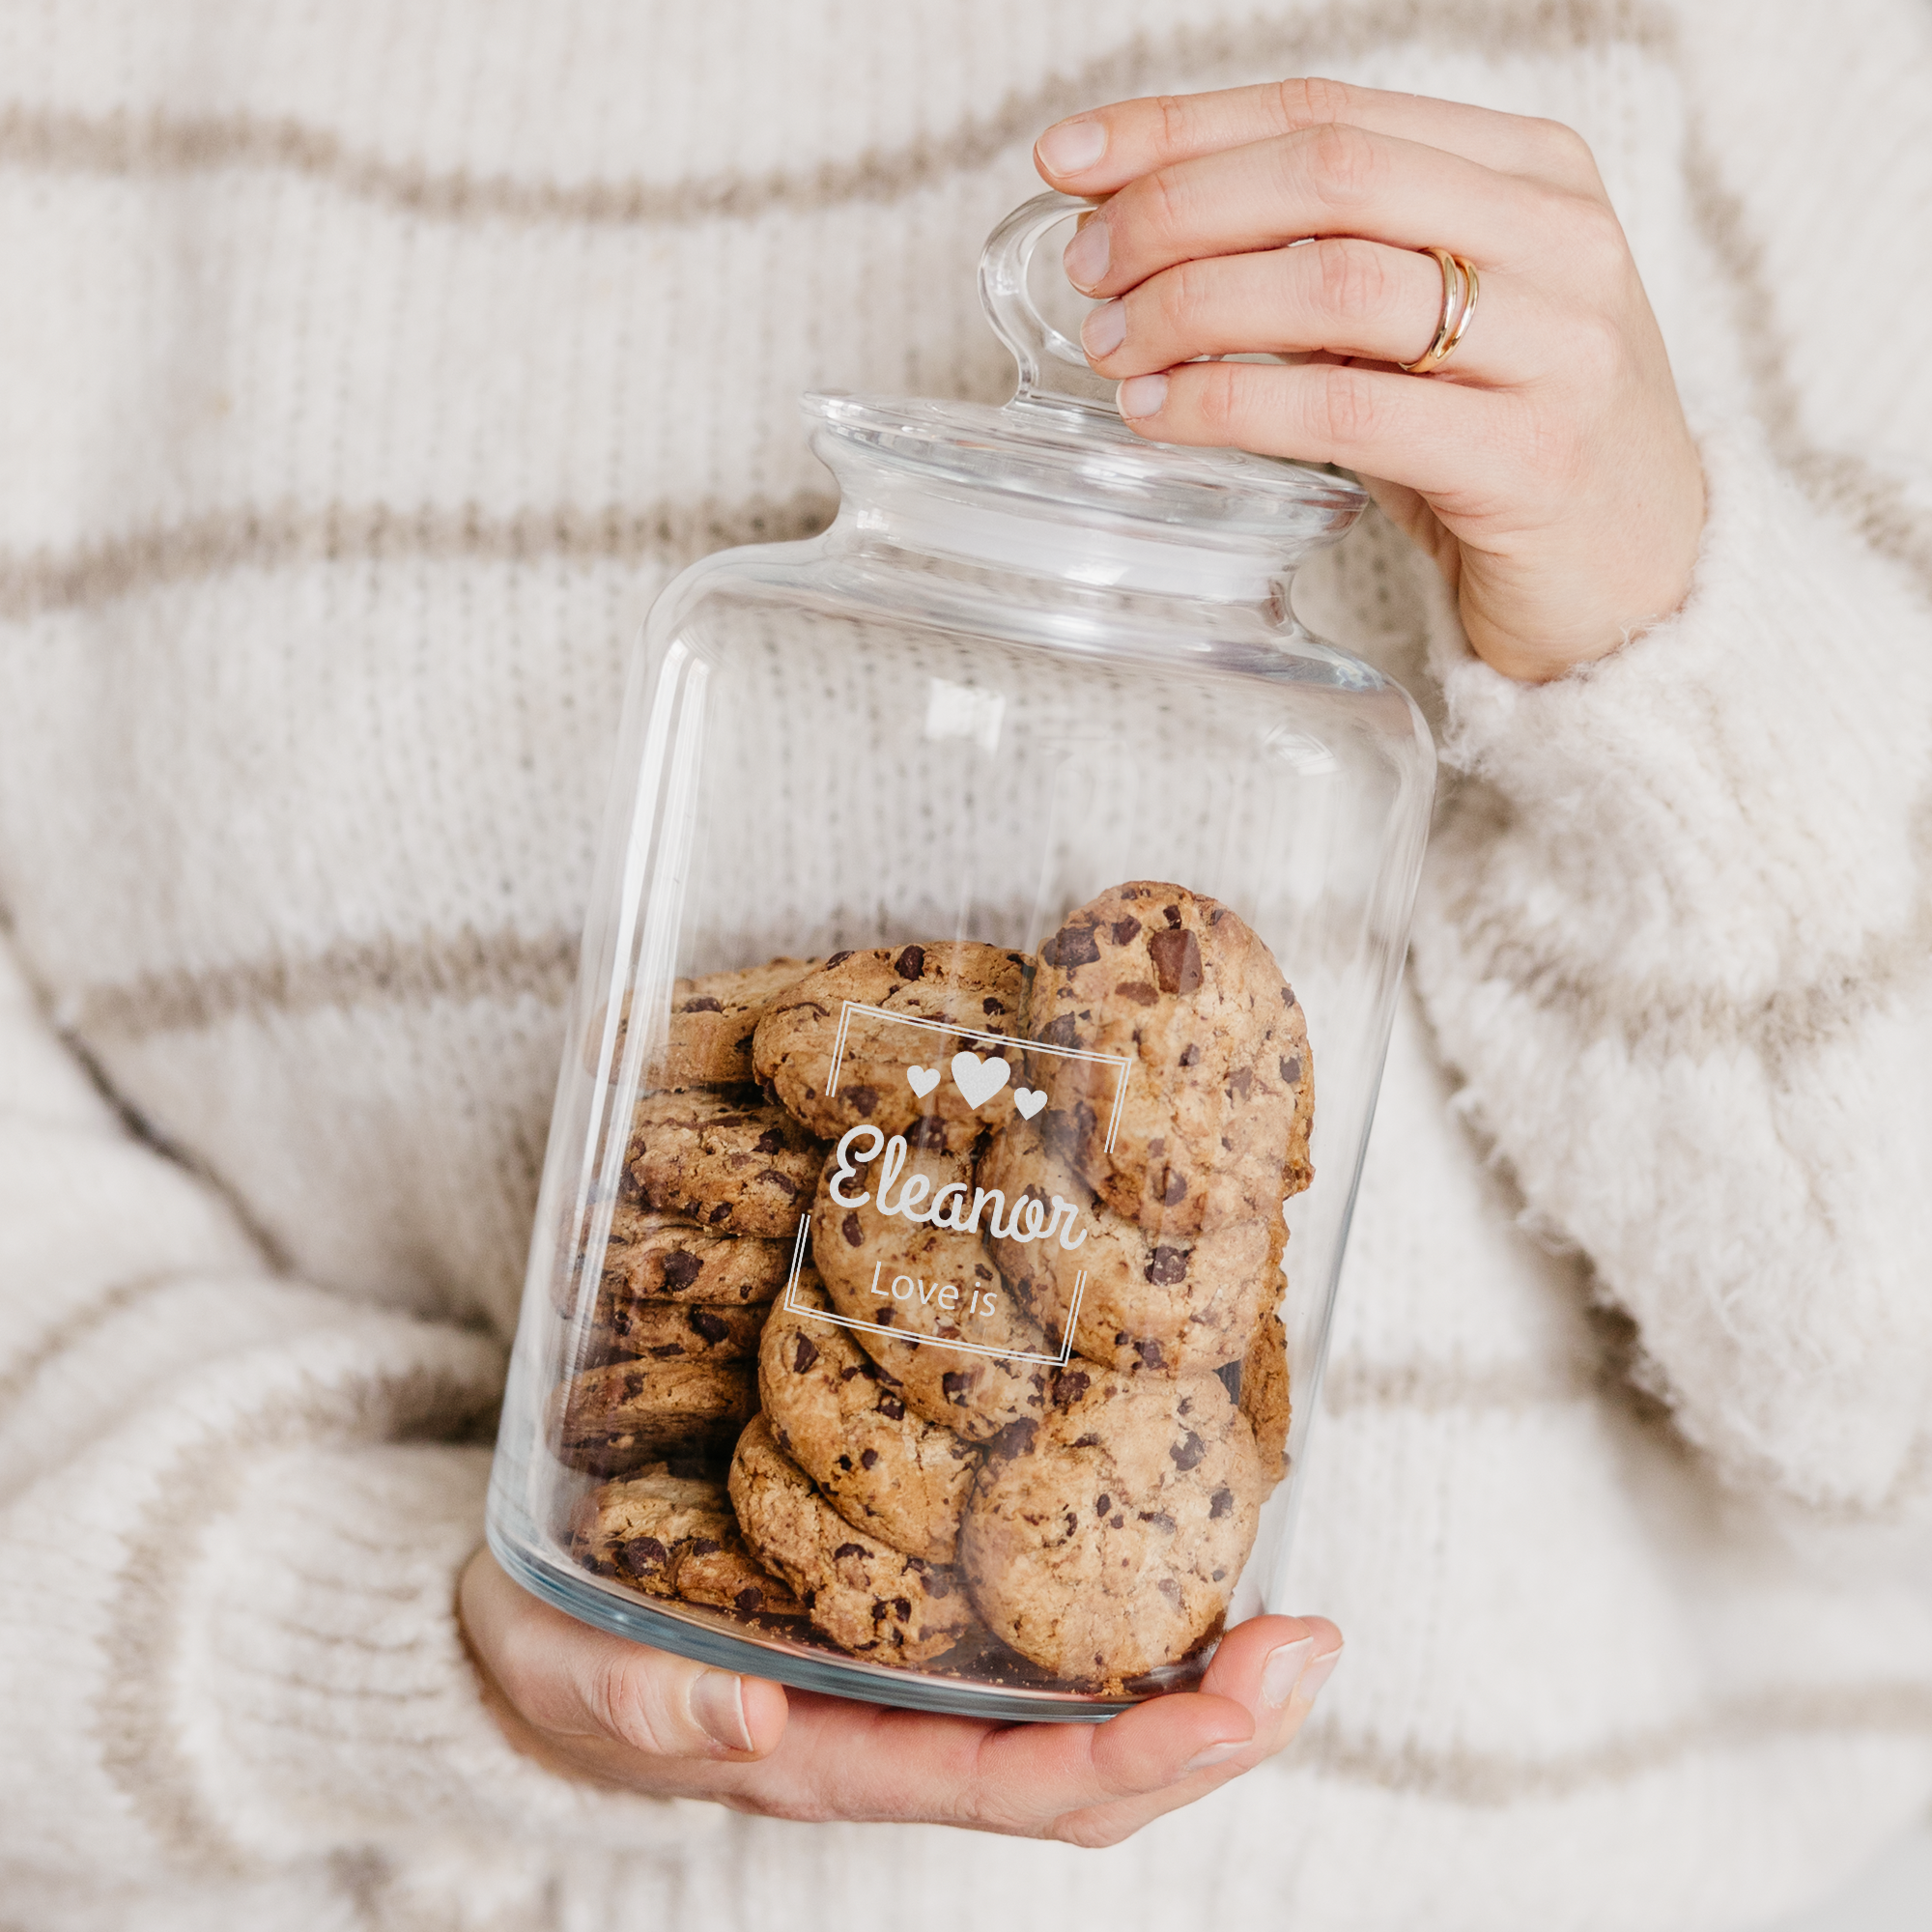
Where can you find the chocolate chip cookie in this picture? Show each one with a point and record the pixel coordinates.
(668, 1258)
(725, 1158)
(1213, 1125)
(630, 1327)
(876, 1601)
(676, 1536)
(935, 1285)
(614, 1420)
(713, 1017)
(1175, 1303)
(1113, 1546)
(883, 1467)
(934, 1086)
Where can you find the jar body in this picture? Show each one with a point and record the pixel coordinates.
(966, 1360)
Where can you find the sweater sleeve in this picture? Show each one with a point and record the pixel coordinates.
(1675, 937)
(233, 1509)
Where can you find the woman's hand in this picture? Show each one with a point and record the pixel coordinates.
(596, 1707)
(1547, 469)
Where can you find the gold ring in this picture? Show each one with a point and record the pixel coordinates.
(1461, 287)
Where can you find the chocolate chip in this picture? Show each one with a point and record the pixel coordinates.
(804, 1352)
(1288, 996)
(1069, 1385)
(1149, 1354)
(853, 1229)
(705, 1546)
(868, 1458)
(1171, 914)
(1139, 991)
(1014, 1439)
(783, 1183)
(713, 1327)
(836, 959)
(862, 1099)
(958, 1386)
(927, 1134)
(703, 1006)
(1177, 961)
(1189, 1451)
(892, 1408)
(681, 1269)
(1231, 1379)
(751, 1600)
(1291, 1069)
(1063, 1031)
(771, 1141)
(1175, 1190)
(1190, 1055)
(1221, 1503)
(721, 1212)
(644, 1554)
(1159, 1518)
(989, 1004)
(910, 963)
(1238, 1083)
(1125, 931)
(1171, 1590)
(1072, 946)
(901, 1608)
(846, 1463)
(848, 1550)
(1087, 1441)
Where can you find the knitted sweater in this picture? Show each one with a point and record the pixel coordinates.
(364, 372)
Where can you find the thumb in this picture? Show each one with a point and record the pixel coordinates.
(563, 1680)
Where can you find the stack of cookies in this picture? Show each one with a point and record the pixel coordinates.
(1028, 1394)
(701, 1237)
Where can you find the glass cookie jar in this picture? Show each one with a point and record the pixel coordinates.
(990, 962)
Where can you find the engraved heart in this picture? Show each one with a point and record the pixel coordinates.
(1029, 1101)
(922, 1079)
(979, 1079)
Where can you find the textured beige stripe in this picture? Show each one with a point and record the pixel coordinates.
(1699, 1020)
(281, 537)
(1900, 1711)
(161, 144)
(75, 1327)
(137, 1723)
(1837, 481)
(1432, 1387)
(468, 965)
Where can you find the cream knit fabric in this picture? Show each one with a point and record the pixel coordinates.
(364, 372)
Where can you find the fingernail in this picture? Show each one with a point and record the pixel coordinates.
(1320, 1670)
(1213, 1754)
(1070, 147)
(1283, 1670)
(718, 1707)
(1086, 258)
(1104, 330)
(1141, 395)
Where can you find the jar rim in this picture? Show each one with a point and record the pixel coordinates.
(1085, 459)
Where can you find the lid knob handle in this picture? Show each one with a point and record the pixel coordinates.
(1052, 366)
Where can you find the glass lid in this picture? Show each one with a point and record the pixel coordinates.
(1061, 438)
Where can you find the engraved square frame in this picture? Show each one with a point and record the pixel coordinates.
(1124, 1065)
